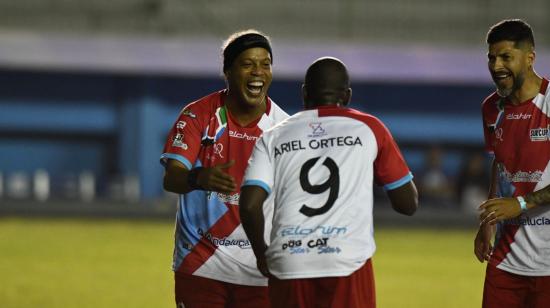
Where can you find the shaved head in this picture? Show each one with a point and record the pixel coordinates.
(326, 83)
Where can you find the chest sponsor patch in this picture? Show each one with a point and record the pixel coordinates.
(539, 134)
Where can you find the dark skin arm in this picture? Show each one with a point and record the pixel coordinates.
(404, 199)
(211, 179)
(253, 221)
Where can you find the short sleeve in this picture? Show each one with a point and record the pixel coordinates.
(260, 167)
(184, 139)
(390, 168)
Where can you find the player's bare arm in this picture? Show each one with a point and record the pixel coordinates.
(178, 179)
(539, 197)
(483, 247)
(404, 199)
(253, 221)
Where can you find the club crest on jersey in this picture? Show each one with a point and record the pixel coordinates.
(498, 133)
(540, 134)
(218, 148)
(317, 130)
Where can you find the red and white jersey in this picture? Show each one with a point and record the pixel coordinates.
(320, 165)
(210, 241)
(519, 138)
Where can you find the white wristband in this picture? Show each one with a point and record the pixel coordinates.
(522, 204)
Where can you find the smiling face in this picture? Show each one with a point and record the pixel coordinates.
(249, 77)
(509, 65)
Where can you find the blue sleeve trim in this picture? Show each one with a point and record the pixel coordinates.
(257, 183)
(177, 157)
(404, 180)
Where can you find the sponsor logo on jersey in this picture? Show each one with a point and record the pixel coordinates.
(180, 125)
(239, 135)
(518, 116)
(522, 176)
(527, 221)
(320, 230)
(178, 142)
(231, 199)
(304, 247)
(291, 244)
(319, 242)
(224, 241)
(329, 249)
(317, 130)
(188, 113)
(539, 134)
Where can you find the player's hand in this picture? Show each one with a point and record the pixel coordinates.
(262, 266)
(499, 209)
(483, 249)
(216, 179)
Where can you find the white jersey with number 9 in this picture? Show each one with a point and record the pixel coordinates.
(320, 165)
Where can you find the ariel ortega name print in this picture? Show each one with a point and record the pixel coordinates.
(314, 144)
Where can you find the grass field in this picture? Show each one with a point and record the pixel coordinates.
(50, 263)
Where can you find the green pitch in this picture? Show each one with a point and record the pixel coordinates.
(124, 263)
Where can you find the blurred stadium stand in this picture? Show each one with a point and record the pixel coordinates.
(398, 21)
(89, 89)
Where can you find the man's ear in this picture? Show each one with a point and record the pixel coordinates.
(347, 96)
(304, 96)
(531, 56)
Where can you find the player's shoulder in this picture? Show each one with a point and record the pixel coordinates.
(350, 113)
(203, 106)
(280, 125)
(285, 124)
(545, 90)
(275, 112)
(491, 101)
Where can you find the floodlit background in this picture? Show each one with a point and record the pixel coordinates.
(89, 89)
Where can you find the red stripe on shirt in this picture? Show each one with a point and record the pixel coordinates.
(504, 244)
(203, 250)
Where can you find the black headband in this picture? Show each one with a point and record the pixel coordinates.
(242, 43)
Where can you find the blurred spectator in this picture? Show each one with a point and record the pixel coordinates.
(435, 186)
(472, 183)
